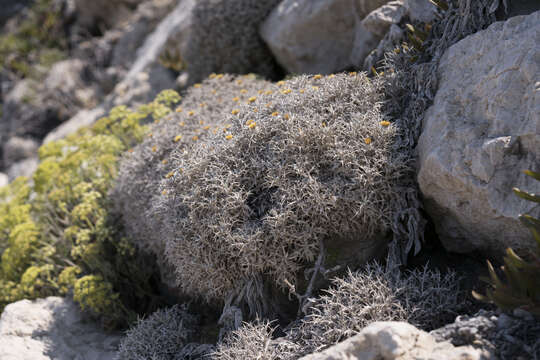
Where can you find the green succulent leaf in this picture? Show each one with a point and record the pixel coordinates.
(521, 286)
(535, 175)
(527, 196)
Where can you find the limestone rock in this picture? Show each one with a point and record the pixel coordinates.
(374, 28)
(391, 40)
(25, 167)
(394, 340)
(33, 108)
(316, 36)
(17, 149)
(3, 180)
(379, 20)
(133, 35)
(52, 328)
(478, 136)
(421, 10)
(147, 77)
(81, 119)
(27, 113)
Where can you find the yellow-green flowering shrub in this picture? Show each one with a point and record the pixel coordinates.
(58, 235)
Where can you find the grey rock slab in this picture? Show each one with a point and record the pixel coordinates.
(372, 31)
(52, 328)
(17, 149)
(392, 341)
(421, 10)
(316, 36)
(479, 135)
(81, 119)
(25, 167)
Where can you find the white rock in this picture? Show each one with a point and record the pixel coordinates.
(52, 328)
(146, 76)
(379, 20)
(81, 119)
(3, 180)
(17, 149)
(316, 36)
(479, 135)
(373, 28)
(25, 167)
(394, 340)
(421, 10)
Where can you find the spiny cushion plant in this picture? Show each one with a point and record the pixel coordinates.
(254, 341)
(361, 298)
(200, 113)
(57, 233)
(522, 286)
(307, 161)
(160, 336)
(225, 38)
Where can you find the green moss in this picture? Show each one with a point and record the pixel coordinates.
(58, 235)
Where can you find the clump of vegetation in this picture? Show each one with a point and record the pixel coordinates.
(283, 169)
(57, 234)
(255, 341)
(225, 38)
(161, 336)
(522, 286)
(200, 114)
(425, 298)
(37, 42)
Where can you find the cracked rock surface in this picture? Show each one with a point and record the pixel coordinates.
(479, 135)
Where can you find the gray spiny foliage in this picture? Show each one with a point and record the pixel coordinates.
(225, 38)
(159, 337)
(254, 341)
(143, 168)
(410, 84)
(311, 159)
(425, 298)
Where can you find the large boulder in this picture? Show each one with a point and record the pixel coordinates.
(480, 134)
(52, 328)
(316, 36)
(395, 340)
(421, 10)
